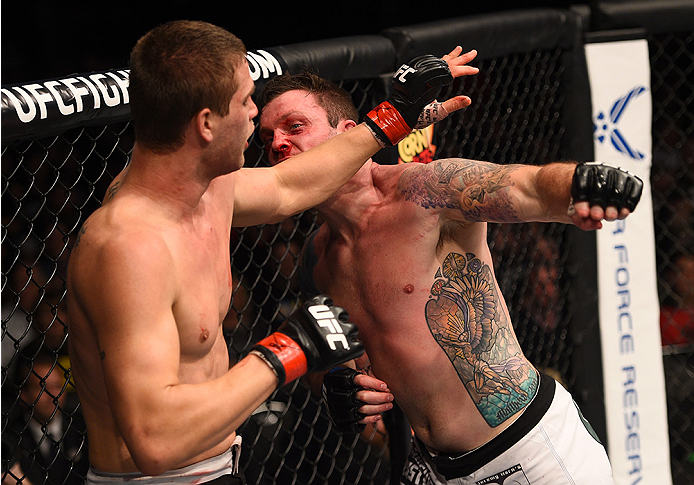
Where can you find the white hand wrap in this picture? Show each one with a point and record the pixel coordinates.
(432, 113)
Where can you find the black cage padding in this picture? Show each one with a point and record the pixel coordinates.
(492, 35)
(654, 16)
(102, 98)
(342, 58)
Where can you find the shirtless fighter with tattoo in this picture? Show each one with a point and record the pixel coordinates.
(404, 249)
(149, 281)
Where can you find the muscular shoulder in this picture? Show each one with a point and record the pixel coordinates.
(113, 244)
(120, 224)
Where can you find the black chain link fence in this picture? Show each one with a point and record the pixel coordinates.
(672, 67)
(50, 185)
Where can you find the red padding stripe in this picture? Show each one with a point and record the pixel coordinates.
(390, 121)
(289, 353)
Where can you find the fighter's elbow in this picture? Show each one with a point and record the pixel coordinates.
(152, 456)
(150, 461)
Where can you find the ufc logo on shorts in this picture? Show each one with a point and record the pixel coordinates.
(402, 72)
(325, 318)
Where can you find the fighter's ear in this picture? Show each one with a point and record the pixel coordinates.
(202, 122)
(345, 125)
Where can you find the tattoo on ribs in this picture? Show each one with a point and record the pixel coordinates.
(475, 188)
(465, 316)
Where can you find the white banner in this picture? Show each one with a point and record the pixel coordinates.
(635, 401)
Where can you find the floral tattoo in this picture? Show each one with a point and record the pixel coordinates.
(465, 316)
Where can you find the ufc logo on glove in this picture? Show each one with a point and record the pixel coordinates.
(402, 72)
(307, 341)
(325, 318)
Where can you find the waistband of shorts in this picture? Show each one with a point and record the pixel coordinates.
(207, 470)
(463, 465)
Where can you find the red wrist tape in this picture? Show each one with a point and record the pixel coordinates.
(389, 119)
(289, 353)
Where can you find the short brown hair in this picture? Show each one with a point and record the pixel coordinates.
(336, 102)
(176, 70)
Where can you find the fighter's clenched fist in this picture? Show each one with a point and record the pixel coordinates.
(601, 191)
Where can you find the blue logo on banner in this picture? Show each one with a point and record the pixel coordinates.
(606, 126)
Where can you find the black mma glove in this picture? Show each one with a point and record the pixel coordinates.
(340, 394)
(415, 85)
(605, 185)
(315, 337)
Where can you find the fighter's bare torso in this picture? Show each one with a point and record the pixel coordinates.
(200, 289)
(434, 325)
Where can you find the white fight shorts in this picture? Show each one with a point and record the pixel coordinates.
(550, 443)
(226, 464)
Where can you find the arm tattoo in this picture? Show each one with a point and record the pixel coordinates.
(475, 188)
(465, 316)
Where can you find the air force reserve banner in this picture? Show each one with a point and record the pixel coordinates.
(635, 404)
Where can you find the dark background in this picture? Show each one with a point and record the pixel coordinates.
(44, 39)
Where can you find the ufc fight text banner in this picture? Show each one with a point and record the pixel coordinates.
(635, 403)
